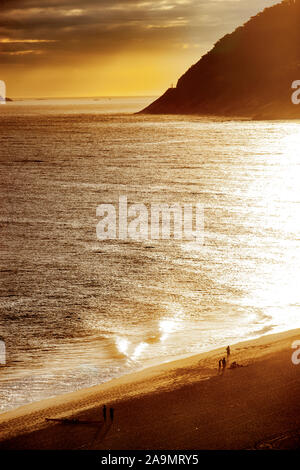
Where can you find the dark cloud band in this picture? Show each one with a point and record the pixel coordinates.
(70, 30)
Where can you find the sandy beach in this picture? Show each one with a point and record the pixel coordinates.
(185, 404)
(149, 229)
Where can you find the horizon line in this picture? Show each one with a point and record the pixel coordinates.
(79, 97)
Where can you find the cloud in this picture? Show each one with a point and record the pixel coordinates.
(106, 26)
(71, 32)
(90, 27)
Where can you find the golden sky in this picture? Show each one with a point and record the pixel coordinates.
(57, 48)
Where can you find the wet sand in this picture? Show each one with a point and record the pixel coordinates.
(185, 404)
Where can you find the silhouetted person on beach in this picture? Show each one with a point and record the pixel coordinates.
(228, 350)
(111, 412)
(224, 362)
(104, 412)
(220, 364)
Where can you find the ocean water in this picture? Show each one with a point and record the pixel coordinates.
(76, 311)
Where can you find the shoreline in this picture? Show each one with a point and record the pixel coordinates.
(21, 374)
(168, 383)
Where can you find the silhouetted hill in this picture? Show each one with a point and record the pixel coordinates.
(248, 72)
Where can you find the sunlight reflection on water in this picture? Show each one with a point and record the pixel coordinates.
(77, 312)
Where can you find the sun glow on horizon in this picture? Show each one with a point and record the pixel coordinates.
(125, 49)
